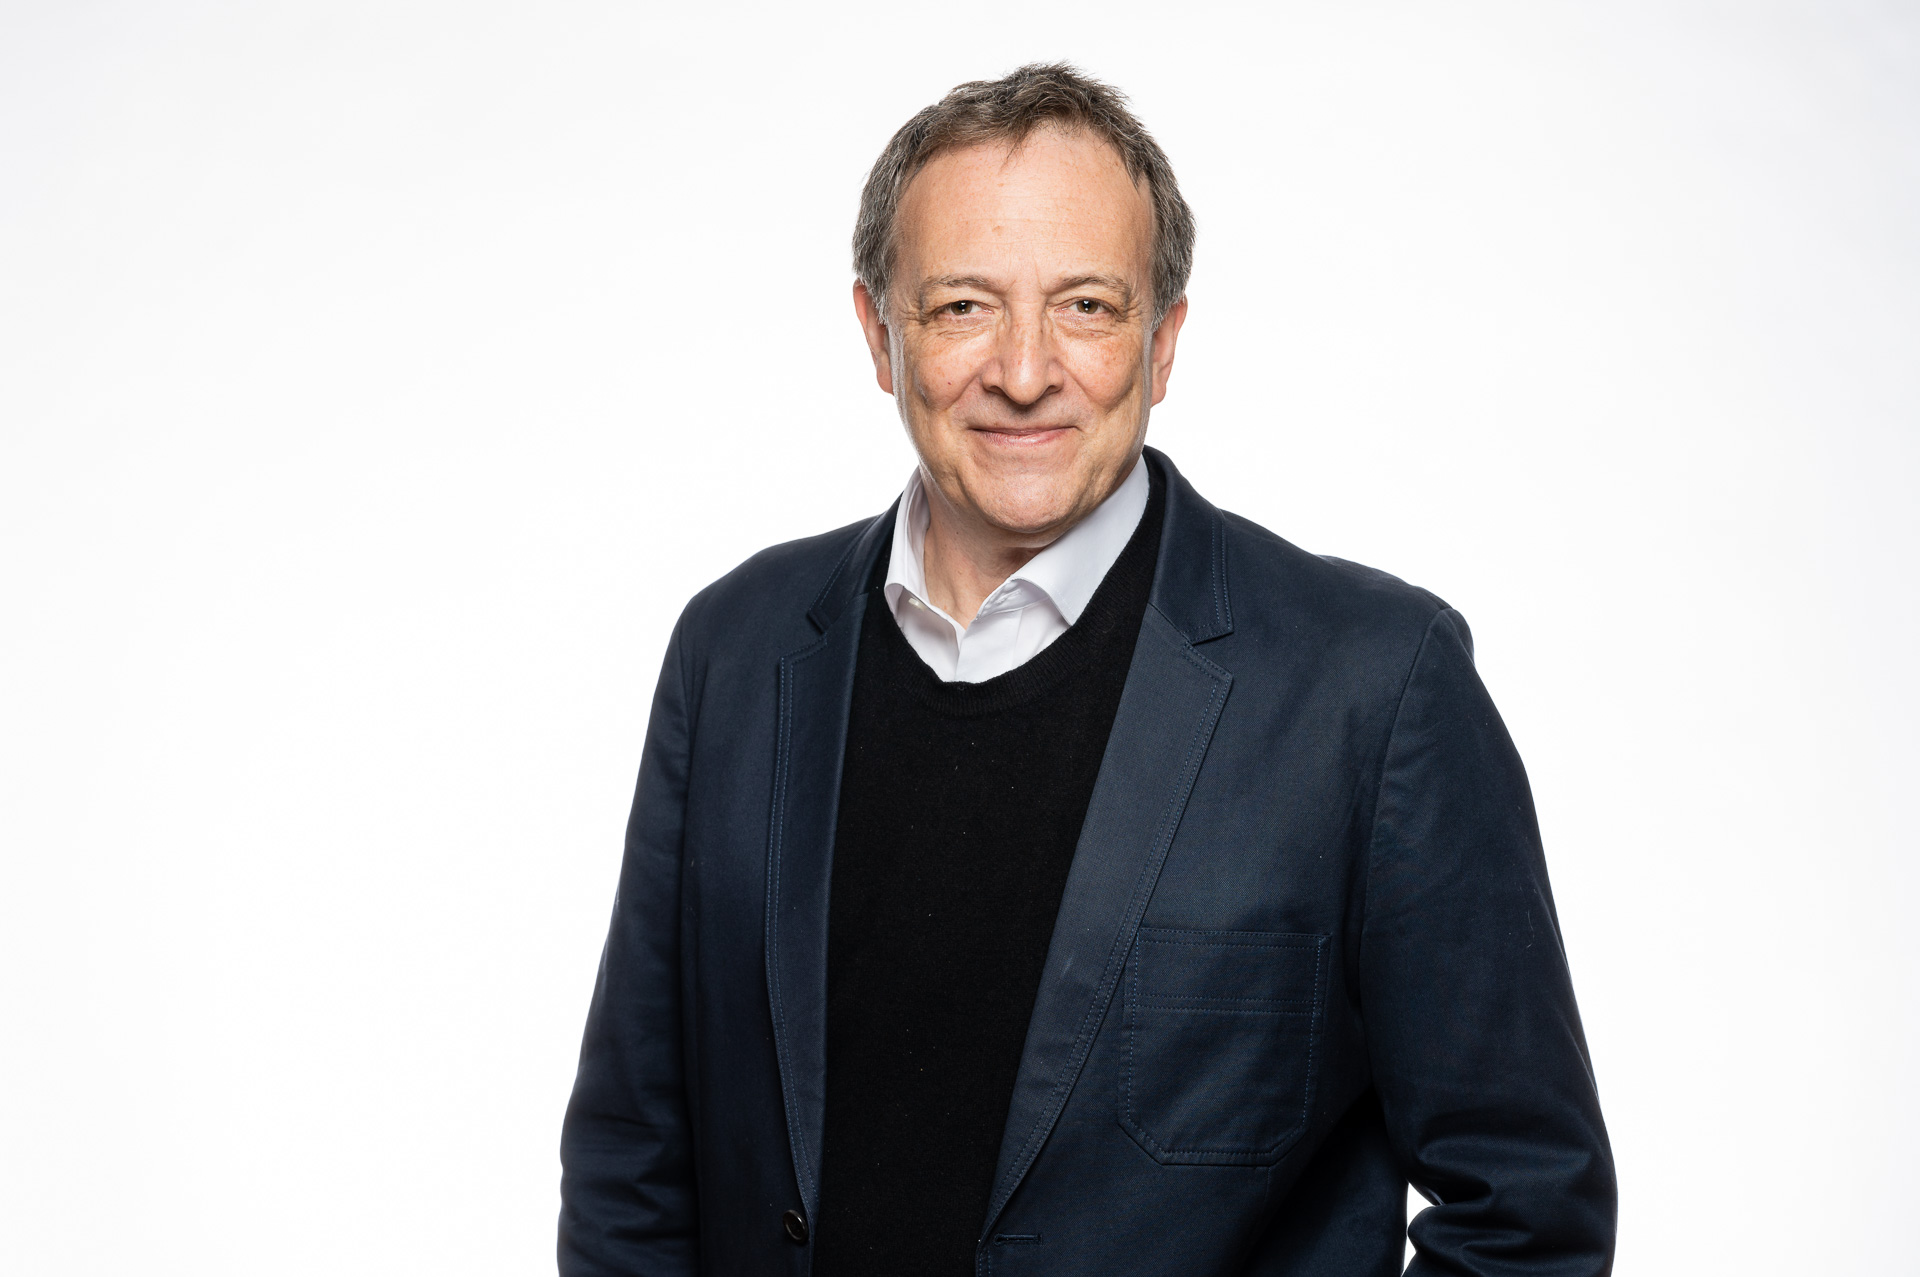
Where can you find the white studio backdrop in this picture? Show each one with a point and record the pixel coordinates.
(378, 379)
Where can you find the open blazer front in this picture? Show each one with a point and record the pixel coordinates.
(1306, 952)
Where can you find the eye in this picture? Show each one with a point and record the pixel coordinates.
(1088, 306)
(961, 308)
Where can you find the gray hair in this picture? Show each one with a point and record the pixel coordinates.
(1008, 110)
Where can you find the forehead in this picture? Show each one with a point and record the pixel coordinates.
(1059, 201)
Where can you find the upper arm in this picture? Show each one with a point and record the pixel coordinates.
(627, 1190)
(1474, 1036)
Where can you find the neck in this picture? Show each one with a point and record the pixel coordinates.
(964, 564)
(964, 558)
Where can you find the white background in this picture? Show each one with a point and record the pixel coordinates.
(378, 379)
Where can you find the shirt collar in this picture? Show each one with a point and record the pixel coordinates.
(1067, 572)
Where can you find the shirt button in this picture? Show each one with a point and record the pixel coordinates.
(795, 1225)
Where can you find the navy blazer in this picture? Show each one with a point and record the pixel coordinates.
(1306, 953)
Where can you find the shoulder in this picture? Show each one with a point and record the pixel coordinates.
(1282, 594)
(766, 599)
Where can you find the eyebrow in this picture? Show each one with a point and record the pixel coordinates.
(1114, 282)
(981, 282)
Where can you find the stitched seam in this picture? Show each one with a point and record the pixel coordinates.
(1232, 944)
(1172, 1001)
(1219, 571)
(1226, 935)
(1380, 780)
(1201, 663)
(832, 577)
(1163, 838)
(775, 840)
(1133, 1025)
(1313, 1042)
(1306, 1101)
(1151, 1005)
(838, 568)
(782, 755)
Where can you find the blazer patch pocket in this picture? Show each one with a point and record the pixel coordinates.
(1221, 1034)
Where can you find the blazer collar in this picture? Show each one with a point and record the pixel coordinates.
(1189, 582)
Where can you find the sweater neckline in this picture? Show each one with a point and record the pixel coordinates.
(1118, 602)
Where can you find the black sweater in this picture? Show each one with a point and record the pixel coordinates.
(960, 806)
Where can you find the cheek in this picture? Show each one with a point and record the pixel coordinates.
(1109, 371)
(940, 373)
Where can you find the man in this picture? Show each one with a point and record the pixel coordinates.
(1057, 875)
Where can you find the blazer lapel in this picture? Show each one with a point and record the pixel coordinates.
(1172, 700)
(815, 694)
(1167, 713)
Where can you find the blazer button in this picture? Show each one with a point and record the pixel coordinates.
(795, 1225)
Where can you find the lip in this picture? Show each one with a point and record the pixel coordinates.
(1021, 436)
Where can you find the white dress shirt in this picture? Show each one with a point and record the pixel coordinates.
(1030, 609)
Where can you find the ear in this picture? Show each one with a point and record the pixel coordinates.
(875, 328)
(1160, 350)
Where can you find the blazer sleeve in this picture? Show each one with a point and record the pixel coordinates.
(627, 1200)
(1475, 1041)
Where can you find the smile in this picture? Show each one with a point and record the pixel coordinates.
(1022, 437)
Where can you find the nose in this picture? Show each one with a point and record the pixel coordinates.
(1025, 367)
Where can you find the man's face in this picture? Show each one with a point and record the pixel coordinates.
(1019, 342)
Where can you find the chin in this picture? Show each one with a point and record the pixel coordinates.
(1035, 505)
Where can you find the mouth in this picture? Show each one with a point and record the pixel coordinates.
(1021, 437)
